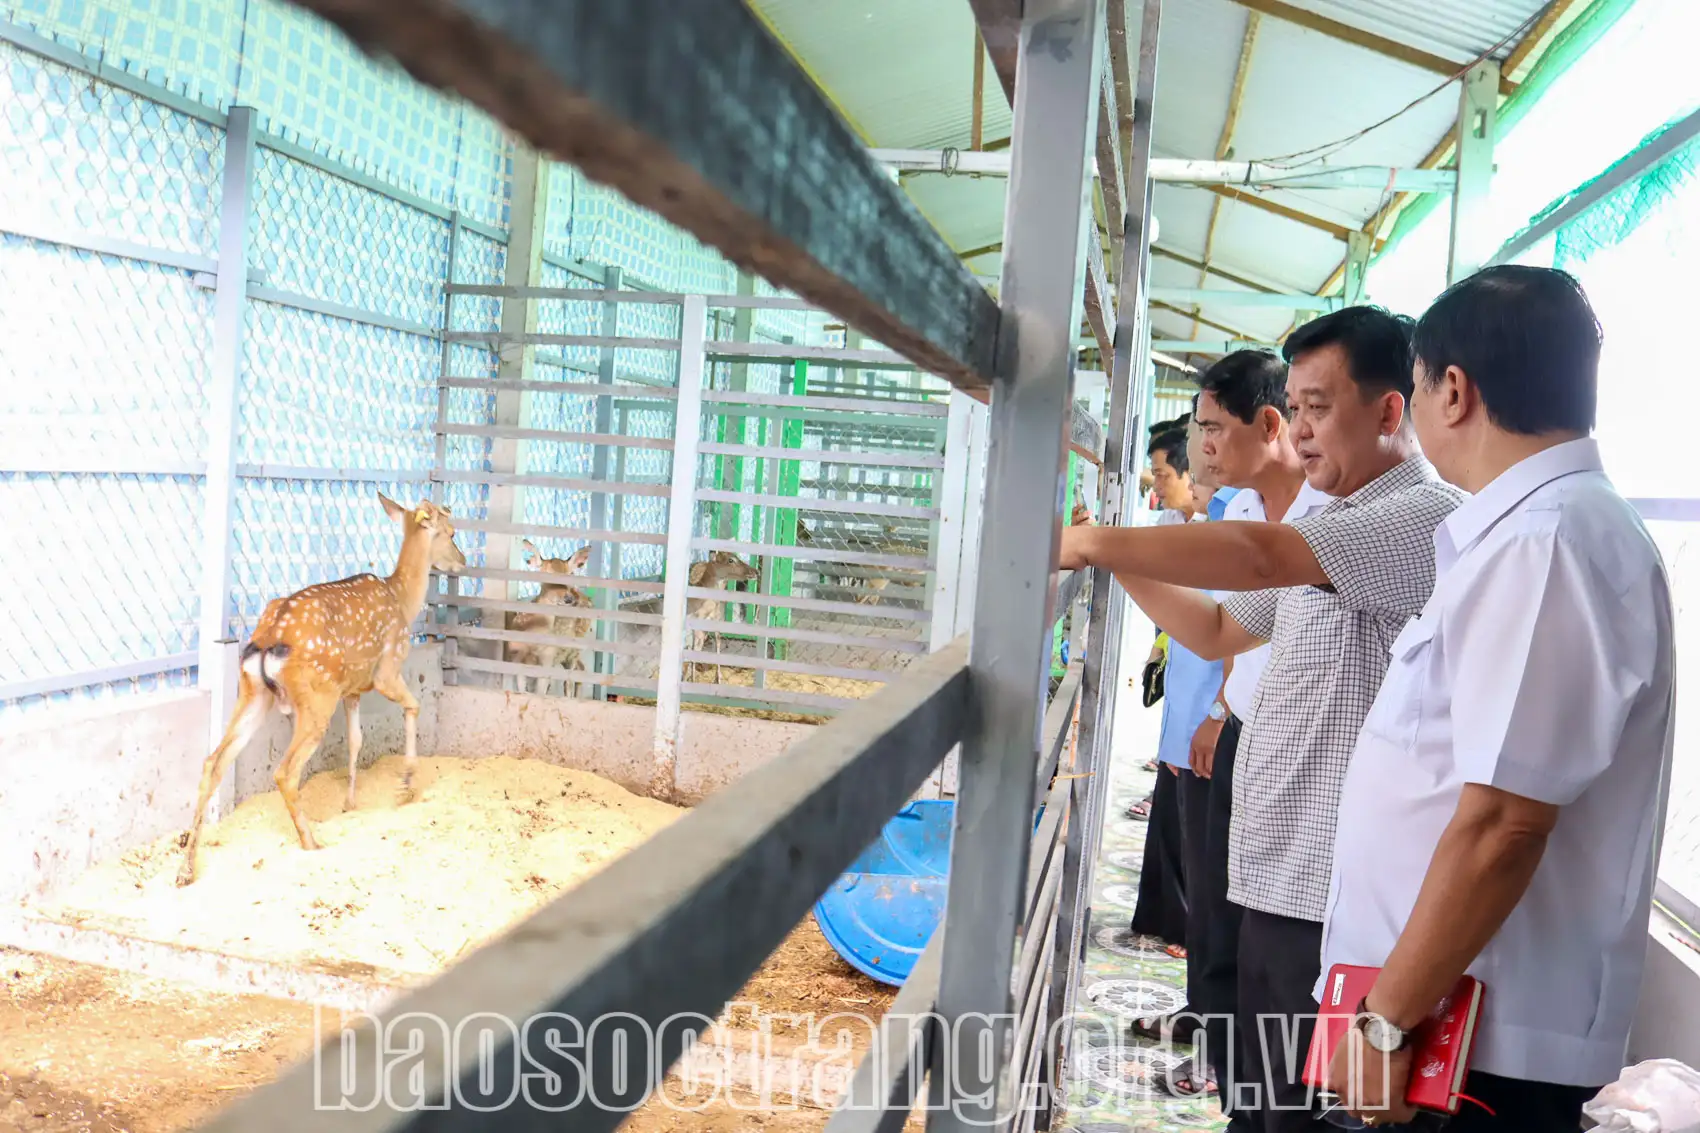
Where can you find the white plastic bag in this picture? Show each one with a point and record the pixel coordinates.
(1657, 1096)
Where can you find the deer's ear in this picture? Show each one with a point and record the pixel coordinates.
(393, 509)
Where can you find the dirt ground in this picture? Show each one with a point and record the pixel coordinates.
(85, 1050)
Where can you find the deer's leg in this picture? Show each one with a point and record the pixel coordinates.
(252, 701)
(394, 688)
(311, 720)
(351, 707)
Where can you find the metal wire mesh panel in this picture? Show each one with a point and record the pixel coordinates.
(86, 157)
(102, 383)
(74, 606)
(293, 533)
(104, 359)
(837, 543)
(323, 393)
(367, 250)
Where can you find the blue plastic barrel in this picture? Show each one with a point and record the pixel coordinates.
(880, 914)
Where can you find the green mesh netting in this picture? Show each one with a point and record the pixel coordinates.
(1627, 207)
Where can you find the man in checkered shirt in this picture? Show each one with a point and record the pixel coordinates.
(1329, 593)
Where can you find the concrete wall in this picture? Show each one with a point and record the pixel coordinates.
(612, 740)
(90, 781)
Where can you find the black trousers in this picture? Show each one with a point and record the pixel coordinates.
(1213, 923)
(1160, 909)
(1280, 960)
(1517, 1106)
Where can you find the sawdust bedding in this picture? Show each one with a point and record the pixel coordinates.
(395, 890)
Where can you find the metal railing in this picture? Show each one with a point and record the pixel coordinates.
(678, 925)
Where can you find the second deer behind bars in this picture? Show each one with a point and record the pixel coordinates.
(329, 643)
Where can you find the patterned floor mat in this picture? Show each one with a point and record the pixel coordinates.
(1112, 1089)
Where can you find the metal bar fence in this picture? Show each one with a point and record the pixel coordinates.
(843, 237)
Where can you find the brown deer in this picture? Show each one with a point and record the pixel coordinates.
(548, 656)
(330, 642)
(712, 573)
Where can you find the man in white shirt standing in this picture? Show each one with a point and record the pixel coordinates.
(1503, 808)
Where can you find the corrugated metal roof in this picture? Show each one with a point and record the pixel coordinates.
(902, 71)
(1456, 29)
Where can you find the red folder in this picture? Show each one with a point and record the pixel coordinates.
(1440, 1044)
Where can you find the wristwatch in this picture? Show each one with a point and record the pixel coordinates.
(1217, 712)
(1379, 1033)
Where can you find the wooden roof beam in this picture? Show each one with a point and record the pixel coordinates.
(1229, 274)
(1368, 40)
(1333, 227)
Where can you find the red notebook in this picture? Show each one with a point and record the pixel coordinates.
(1440, 1044)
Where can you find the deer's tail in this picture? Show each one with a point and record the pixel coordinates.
(254, 662)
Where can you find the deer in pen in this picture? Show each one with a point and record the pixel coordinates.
(712, 573)
(552, 595)
(330, 642)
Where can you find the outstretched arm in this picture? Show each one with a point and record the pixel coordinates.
(1208, 556)
(1191, 617)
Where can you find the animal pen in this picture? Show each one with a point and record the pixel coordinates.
(814, 562)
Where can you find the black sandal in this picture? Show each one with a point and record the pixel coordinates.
(1140, 811)
(1161, 1029)
(1184, 1081)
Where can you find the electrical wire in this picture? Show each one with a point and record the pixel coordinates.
(1318, 153)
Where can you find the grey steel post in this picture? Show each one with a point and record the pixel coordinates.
(217, 673)
(681, 524)
(519, 317)
(1478, 103)
(951, 573)
(1127, 399)
(606, 598)
(951, 499)
(443, 371)
(440, 462)
(1048, 218)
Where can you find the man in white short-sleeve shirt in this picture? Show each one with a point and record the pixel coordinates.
(1502, 811)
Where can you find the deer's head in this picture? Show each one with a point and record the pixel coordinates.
(572, 564)
(730, 568)
(434, 521)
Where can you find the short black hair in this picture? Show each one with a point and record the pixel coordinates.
(1377, 344)
(1245, 381)
(1529, 340)
(1172, 445)
(1162, 427)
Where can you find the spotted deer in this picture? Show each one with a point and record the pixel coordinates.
(332, 641)
(549, 656)
(712, 573)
